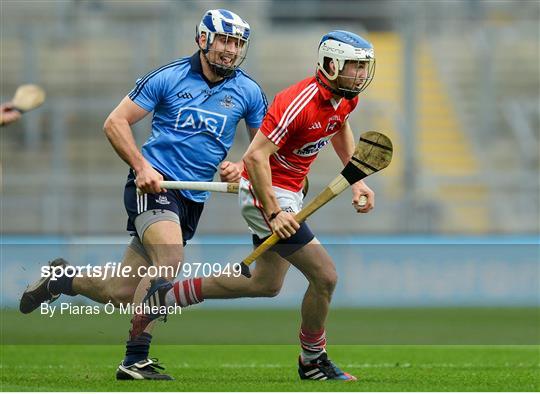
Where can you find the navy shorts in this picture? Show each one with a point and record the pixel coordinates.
(188, 211)
(286, 247)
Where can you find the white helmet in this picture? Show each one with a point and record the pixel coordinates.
(230, 25)
(341, 46)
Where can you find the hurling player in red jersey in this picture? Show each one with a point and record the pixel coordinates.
(300, 122)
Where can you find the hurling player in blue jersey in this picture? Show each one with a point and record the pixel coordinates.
(197, 103)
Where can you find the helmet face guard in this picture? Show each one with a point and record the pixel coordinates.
(351, 86)
(227, 40)
(225, 53)
(354, 62)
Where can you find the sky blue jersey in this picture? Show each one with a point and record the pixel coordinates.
(195, 120)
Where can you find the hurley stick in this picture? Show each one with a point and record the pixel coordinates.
(26, 98)
(221, 187)
(372, 154)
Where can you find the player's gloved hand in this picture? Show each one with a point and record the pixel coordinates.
(284, 225)
(230, 172)
(148, 180)
(360, 189)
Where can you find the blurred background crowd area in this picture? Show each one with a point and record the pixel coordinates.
(456, 87)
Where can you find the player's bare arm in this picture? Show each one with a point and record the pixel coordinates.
(252, 132)
(256, 160)
(343, 143)
(117, 127)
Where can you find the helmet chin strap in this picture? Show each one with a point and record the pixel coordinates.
(326, 86)
(220, 71)
(345, 94)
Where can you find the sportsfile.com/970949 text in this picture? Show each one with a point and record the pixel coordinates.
(113, 269)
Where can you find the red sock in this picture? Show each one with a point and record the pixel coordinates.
(138, 325)
(313, 343)
(186, 292)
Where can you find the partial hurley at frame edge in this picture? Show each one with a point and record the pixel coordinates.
(28, 97)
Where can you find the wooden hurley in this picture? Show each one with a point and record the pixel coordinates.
(372, 154)
(220, 187)
(28, 97)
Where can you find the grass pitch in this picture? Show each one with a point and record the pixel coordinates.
(452, 349)
(273, 368)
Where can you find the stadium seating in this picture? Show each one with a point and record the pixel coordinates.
(89, 69)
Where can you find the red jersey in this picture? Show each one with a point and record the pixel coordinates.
(301, 121)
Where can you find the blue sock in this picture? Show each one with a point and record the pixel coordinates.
(137, 349)
(62, 285)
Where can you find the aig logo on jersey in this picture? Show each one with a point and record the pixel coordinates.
(312, 148)
(197, 120)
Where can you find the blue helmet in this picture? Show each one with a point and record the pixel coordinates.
(340, 47)
(230, 26)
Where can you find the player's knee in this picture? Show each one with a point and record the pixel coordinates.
(267, 289)
(271, 290)
(326, 282)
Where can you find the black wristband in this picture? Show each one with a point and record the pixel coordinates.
(274, 215)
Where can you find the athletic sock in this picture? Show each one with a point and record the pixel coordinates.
(137, 349)
(185, 293)
(313, 344)
(63, 284)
